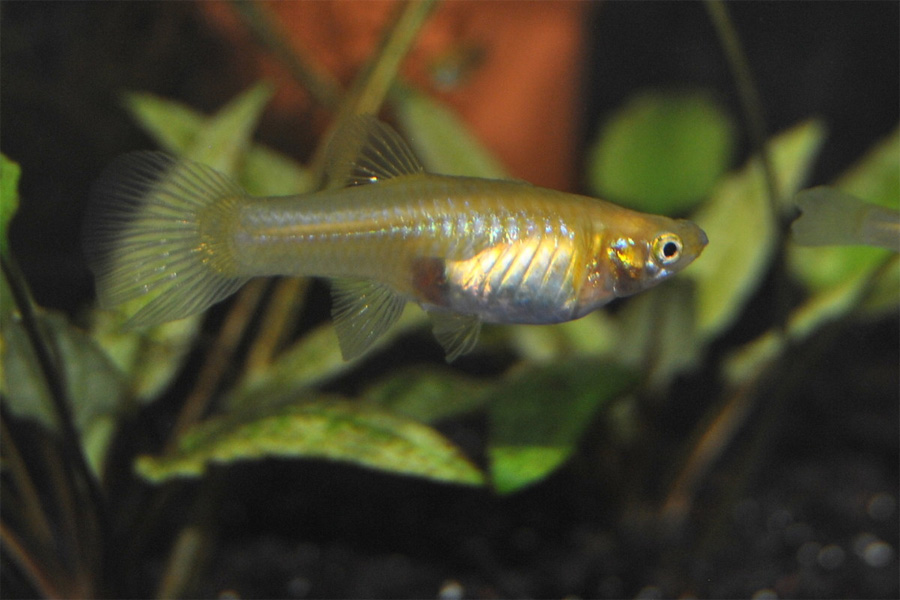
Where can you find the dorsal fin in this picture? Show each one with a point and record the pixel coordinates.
(365, 150)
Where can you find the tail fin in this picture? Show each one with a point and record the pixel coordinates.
(154, 230)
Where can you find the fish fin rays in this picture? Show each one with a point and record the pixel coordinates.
(362, 310)
(365, 151)
(456, 333)
(153, 237)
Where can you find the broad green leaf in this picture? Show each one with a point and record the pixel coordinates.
(428, 395)
(94, 385)
(739, 223)
(441, 139)
(9, 199)
(321, 429)
(539, 414)
(873, 179)
(662, 152)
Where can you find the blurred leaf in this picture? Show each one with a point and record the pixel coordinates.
(441, 139)
(427, 395)
(328, 429)
(9, 204)
(841, 278)
(176, 128)
(593, 335)
(9, 198)
(873, 179)
(655, 329)
(172, 124)
(539, 414)
(150, 358)
(740, 227)
(315, 358)
(661, 152)
(268, 173)
(222, 141)
(95, 386)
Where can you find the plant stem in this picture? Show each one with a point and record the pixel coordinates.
(56, 385)
(322, 87)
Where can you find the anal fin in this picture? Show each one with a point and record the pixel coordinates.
(457, 333)
(362, 310)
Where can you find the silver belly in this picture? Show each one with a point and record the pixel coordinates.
(527, 281)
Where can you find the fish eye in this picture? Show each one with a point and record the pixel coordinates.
(667, 248)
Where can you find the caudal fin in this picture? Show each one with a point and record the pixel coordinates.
(154, 230)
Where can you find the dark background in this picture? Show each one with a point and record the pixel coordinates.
(324, 530)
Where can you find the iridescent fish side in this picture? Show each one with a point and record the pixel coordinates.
(183, 236)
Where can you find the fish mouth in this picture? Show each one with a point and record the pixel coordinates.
(701, 237)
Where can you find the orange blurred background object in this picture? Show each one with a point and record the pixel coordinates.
(510, 70)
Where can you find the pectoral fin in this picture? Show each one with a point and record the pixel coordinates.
(457, 333)
(363, 310)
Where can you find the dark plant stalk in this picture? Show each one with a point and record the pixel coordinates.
(55, 382)
(32, 507)
(280, 317)
(748, 95)
(40, 574)
(218, 359)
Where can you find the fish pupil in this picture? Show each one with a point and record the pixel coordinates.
(670, 249)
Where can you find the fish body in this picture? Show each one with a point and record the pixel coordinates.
(467, 250)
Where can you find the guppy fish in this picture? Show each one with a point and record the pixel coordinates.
(467, 250)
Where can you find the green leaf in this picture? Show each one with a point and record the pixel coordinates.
(314, 359)
(9, 199)
(662, 152)
(94, 385)
(428, 395)
(224, 139)
(539, 414)
(441, 139)
(172, 124)
(150, 358)
(178, 129)
(738, 220)
(268, 173)
(324, 429)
